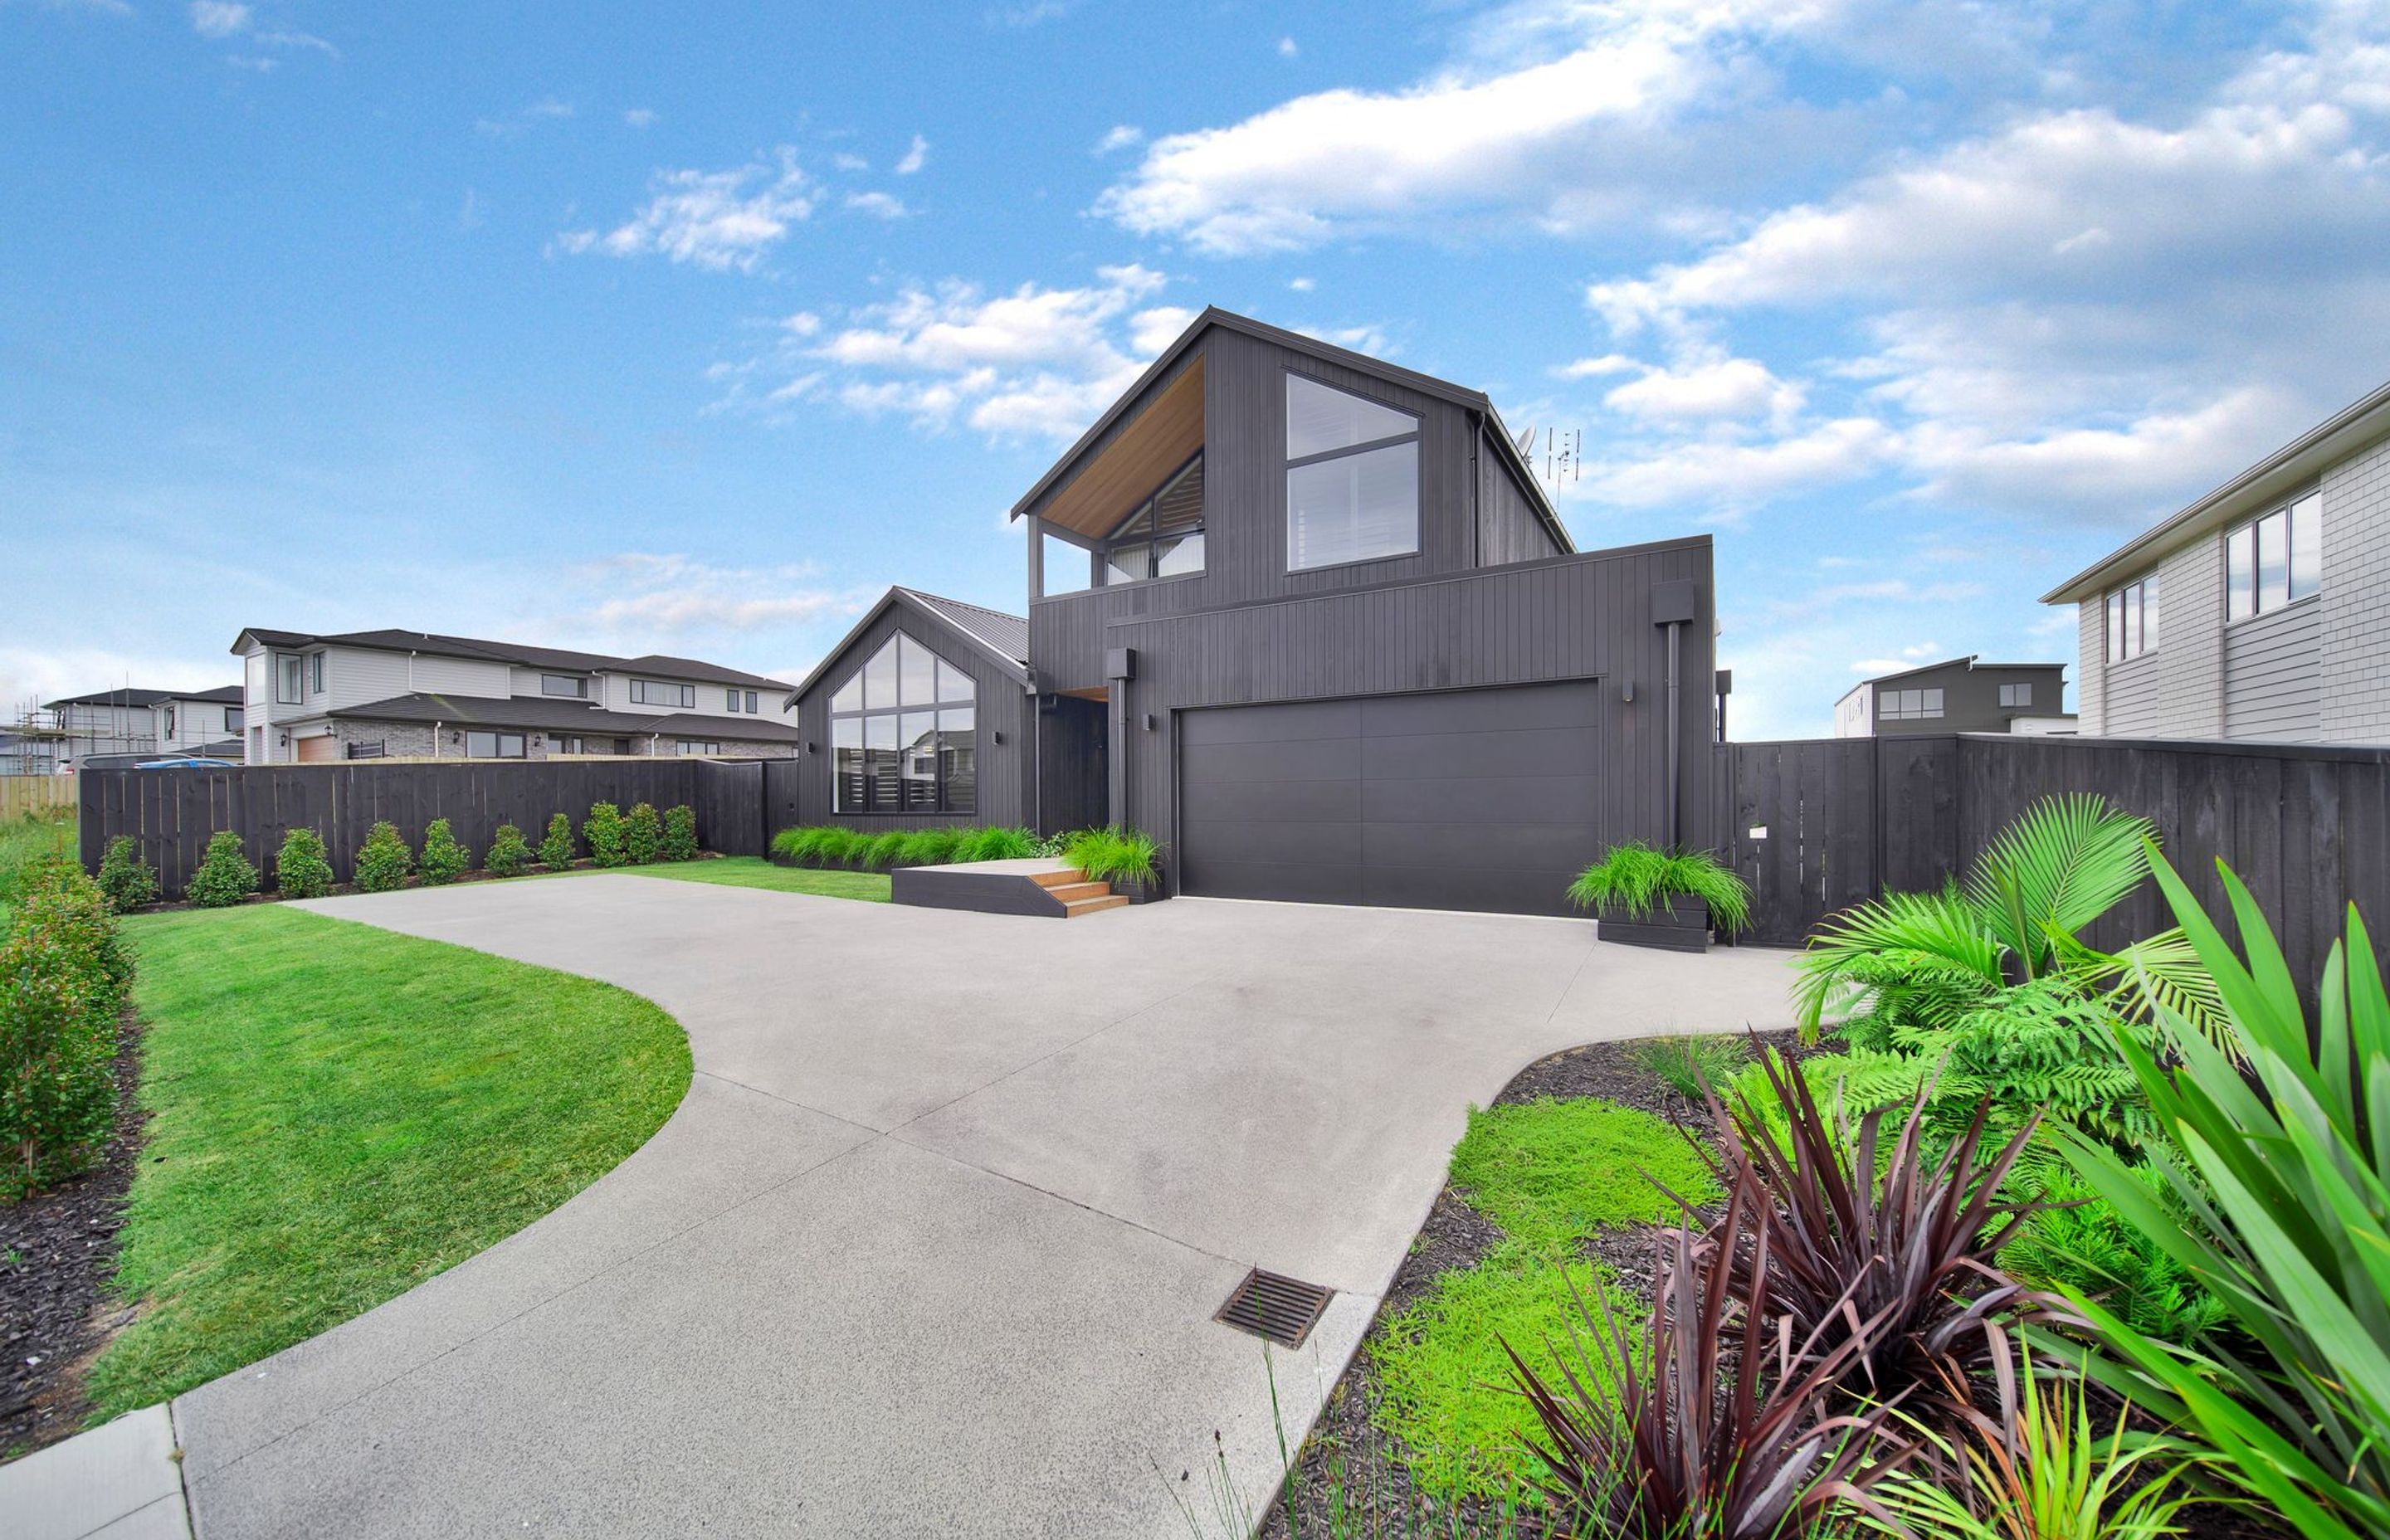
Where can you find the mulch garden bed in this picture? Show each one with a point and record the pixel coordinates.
(58, 1251)
(1347, 1463)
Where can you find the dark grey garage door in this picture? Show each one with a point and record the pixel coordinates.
(1458, 800)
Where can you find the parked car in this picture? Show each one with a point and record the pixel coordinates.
(186, 764)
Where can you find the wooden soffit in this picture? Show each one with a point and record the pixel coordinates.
(1114, 480)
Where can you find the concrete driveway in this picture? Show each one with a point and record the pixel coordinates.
(934, 1243)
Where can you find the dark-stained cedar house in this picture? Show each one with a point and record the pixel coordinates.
(1308, 619)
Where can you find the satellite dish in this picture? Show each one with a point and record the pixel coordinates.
(1527, 442)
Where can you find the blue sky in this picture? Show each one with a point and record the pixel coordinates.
(689, 329)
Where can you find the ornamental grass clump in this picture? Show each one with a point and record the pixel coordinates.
(556, 846)
(508, 856)
(383, 861)
(302, 868)
(65, 973)
(880, 851)
(1112, 854)
(997, 844)
(126, 881)
(224, 876)
(1635, 878)
(1689, 1064)
(445, 860)
(930, 847)
(602, 832)
(643, 835)
(680, 833)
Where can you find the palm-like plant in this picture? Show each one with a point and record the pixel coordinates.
(1927, 959)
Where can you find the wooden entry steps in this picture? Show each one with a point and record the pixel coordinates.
(1044, 888)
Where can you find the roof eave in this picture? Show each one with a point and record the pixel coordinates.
(2361, 422)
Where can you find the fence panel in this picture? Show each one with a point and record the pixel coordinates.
(171, 814)
(24, 795)
(2306, 826)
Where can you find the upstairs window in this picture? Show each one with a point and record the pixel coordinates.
(315, 674)
(572, 686)
(170, 721)
(732, 699)
(2133, 620)
(1918, 705)
(232, 719)
(289, 679)
(2016, 695)
(1351, 478)
(904, 732)
(656, 692)
(1165, 536)
(2274, 560)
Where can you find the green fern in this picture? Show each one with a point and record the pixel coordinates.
(2081, 1241)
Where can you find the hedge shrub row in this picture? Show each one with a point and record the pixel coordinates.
(64, 976)
(834, 845)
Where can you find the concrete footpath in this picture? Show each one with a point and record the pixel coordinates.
(934, 1243)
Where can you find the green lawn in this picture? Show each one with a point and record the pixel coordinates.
(24, 842)
(339, 1112)
(752, 871)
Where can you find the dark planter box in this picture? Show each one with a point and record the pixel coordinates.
(1145, 893)
(1683, 926)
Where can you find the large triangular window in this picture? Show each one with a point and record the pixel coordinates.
(904, 732)
(1351, 478)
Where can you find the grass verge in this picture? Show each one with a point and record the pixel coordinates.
(750, 871)
(340, 1112)
(24, 842)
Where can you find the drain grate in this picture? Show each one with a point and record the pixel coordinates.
(1278, 1309)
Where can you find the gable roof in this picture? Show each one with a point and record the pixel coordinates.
(2284, 472)
(228, 695)
(1213, 316)
(527, 656)
(1002, 639)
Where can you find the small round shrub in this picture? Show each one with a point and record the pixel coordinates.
(643, 834)
(602, 832)
(126, 881)
(680, 833)
(508, 855)
(302, 869)
(556, 847)
(443, 859)
(224, 876)
(383, 860)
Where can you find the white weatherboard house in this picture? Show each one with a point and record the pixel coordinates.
(375, 694)
(2261, 612)
(143, 723)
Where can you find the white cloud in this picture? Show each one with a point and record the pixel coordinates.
(1302, 285)
(1724, 480)
(1514, 133)
(718, 220)
(546, 110)
(218, 17)
(1287, 48)
(1120, 137)
(1034, 362)
(639, 117)
(879, 205)
(1701, 391)
(676, 593)
(915, 158)
(847, 161)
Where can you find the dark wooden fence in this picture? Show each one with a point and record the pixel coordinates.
(1817, 826)
(171, 814)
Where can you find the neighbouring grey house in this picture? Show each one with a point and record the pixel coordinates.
(1306, 618)
(126, 726)
(2260, 611)
(1960, 695)
(411, 694)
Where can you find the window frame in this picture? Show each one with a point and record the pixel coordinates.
(497, 737)
(693, 746)
(290, 667)
(2016, 696)
(1933, 703)
(2126, 613)
(886, 784)
(2249, 535)
(686, 695)
(1292, 463)
(580, 683)
(316, 671)
(1148, 514)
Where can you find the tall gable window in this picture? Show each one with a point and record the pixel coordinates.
(903, 729)
(1165, 536)
(2133, 620)
(1352, 477)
